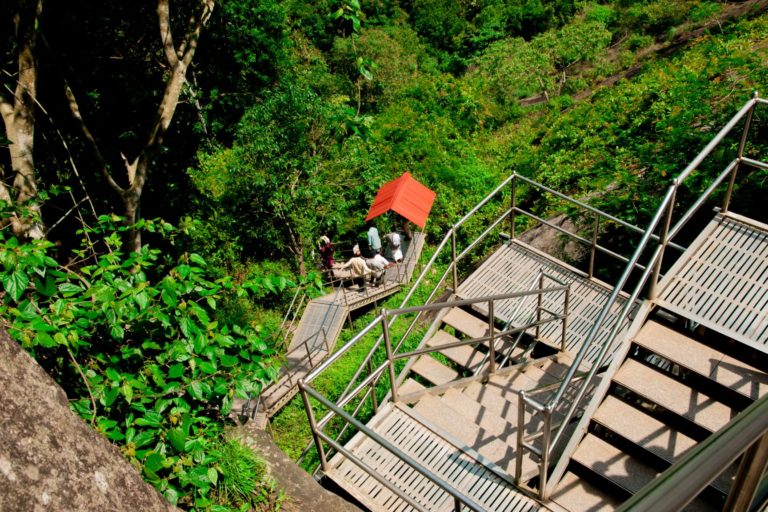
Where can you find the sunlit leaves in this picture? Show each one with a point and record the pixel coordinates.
(162, 369)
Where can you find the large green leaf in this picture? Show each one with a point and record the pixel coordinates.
(15, 283)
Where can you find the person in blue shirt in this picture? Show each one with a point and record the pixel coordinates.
(373, 239)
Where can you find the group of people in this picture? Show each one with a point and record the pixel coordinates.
(368, 263)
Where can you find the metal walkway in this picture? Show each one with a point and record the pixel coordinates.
(723, 284)
(513, 267)
(322, 321)
(463, 468)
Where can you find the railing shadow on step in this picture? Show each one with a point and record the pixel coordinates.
(366, 391)
(669, 221)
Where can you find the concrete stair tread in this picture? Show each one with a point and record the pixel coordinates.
(438, 412)
(410, 386)
(702, 359)
(466, 323)
(673, 395)
(449, 414)
(650, 433)
(554, 368)
(576, 494)
(613, 464)
(465, 356)
(642, 429)
(490, 422)
(433, 371)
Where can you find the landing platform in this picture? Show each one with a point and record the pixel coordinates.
(479, 482)
(721, 282)
(514, 267)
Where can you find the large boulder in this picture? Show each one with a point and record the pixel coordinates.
(49, 458)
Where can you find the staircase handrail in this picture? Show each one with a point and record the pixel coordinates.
(459, 498)
(681, 483)
(337, 409)
(651, 272)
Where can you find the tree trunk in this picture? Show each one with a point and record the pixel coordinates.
(179, 58)
(19, 120)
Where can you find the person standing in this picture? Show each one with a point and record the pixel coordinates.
(325, 247)
(373, 239)
(358, 269)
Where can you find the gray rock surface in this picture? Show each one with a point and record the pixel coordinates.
(49, 458)
(303, 493)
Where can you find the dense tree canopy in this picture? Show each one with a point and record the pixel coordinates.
(256, 126)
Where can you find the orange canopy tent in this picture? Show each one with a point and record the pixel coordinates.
(405, 196)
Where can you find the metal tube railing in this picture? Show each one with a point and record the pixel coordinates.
(306, 389)
(666, 210)
(681, 483)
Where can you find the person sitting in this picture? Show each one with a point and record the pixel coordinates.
(378, 264)
(359, 270)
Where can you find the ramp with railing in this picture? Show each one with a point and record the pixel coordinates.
(318, 325)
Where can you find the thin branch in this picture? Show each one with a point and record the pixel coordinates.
(66, 148)
(75, 109)
(87, 386)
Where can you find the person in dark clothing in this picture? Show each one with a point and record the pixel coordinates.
(326, 252)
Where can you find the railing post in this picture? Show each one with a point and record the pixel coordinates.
(514, 207)
(313, 426)
(538, 305)
(309, 354)
(750, 473)
(595, 230)
(546, 436)
(739, 155)
(566, 306)
(388, 346)
(491, 340)
(520, 437)
(453, 260)
(374, 400)
(652, 291)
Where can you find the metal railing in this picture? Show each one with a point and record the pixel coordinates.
(449, 249)
(366, 389)
(653, 241)
(650, 241)
(744, 436)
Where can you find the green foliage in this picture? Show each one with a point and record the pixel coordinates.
(241, 472)
(139, 349)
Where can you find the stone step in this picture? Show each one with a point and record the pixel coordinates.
(675, 396)
(620, 469)
(612, 464)
(702, 359)
(465, 356)
(436, 411)
(466, 323)
(643, 430)
(489, 421)
(410, 386)
(433, 371)
(577, 494)
(651, 434)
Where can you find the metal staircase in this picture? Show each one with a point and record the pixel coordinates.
(674, 389)
(610, 391)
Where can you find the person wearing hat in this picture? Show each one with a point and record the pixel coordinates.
(326, 252)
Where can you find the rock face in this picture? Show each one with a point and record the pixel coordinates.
(49, 458)
(302, 492)
(554, 243)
